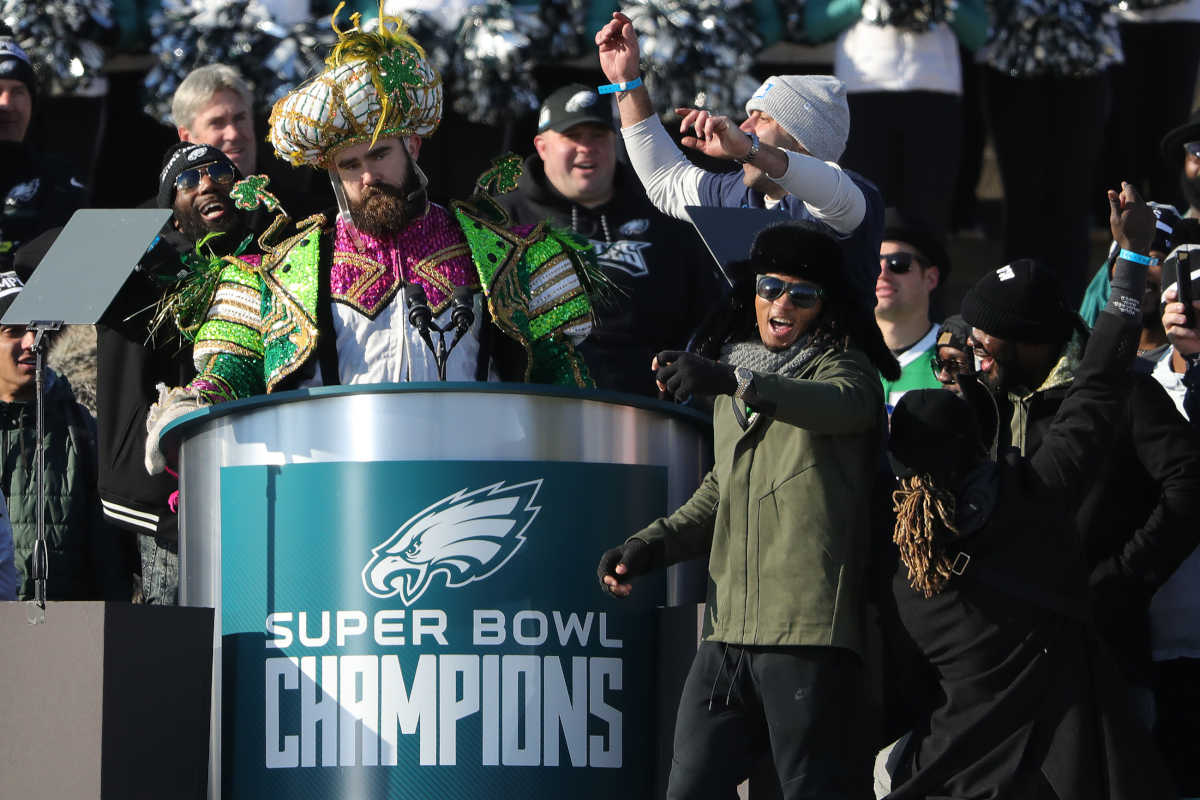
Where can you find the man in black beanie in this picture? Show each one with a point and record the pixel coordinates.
(1137, 522)
(135, 353)
(39, 192)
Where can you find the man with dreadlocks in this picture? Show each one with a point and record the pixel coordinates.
(1020, 699)
(326, 305)
(798, 423)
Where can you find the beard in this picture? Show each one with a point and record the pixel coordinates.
(380, 211)
(1190, 188)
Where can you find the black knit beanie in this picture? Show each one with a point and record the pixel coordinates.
(183, 156)
(14, 62)
(1020, 302)
(934, 432)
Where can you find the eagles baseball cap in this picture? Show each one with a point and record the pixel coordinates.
(571, 105)
(10, 286)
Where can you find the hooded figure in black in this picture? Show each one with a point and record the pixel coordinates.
(1014, 695)
(663, 278)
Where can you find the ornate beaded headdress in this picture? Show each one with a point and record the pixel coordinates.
(376, 84)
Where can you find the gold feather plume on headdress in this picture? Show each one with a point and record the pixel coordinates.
(375, 83)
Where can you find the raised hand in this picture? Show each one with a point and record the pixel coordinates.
(1130, 220)
(715, 135)
(619, 53)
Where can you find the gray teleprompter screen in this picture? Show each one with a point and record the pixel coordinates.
(86, 266)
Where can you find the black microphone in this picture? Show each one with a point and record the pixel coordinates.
(463, 315)
(419, 314)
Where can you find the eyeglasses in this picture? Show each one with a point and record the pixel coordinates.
(899, 263)
(802, 295)
(1192, 149)
(220, 172)
(952, 367)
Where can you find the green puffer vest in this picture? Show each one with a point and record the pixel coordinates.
(784, 513)
(83, 551)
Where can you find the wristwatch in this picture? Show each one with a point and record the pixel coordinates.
(744, 378)
(752, 153)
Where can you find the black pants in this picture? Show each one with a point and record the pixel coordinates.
(798, 704)
(1178, 729)
(908, 143)
(1048, 132)
(1152, 93)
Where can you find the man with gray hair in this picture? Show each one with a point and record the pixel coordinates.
(788, 149)
(213, 106)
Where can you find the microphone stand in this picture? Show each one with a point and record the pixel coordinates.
(41, 563)
(420, 316)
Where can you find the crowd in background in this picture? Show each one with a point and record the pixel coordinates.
(874, 169)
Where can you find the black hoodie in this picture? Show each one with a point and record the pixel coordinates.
(664, 276)
(37, 192)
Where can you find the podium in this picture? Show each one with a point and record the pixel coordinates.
(405, 592)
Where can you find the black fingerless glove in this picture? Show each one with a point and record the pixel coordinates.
(637, 556)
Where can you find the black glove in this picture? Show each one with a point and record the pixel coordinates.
(637, 556)
(682, 375)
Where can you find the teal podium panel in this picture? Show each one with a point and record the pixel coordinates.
(437, 631)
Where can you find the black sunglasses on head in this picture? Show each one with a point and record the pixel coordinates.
(802, 295)
(220, 172)
(900, 263)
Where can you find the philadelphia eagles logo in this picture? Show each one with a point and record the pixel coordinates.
(465, 537)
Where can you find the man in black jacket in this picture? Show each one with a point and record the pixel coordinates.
(37, 191)
(663, 276)
(1028, 345)
(135, 354)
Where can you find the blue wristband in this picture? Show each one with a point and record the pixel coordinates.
(613, 88)
(1136, 258)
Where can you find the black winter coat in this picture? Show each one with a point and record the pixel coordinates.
(1020, 695)
(38, 192)
(665, 279)
(128, 366)
(1137, 517)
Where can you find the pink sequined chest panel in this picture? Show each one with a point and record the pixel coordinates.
(431, 252)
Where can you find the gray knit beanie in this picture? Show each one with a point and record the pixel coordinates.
(812, 108)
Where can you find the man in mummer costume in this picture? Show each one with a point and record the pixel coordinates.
(326, 304)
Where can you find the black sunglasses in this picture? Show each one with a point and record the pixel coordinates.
(952, 367)
(220, 172)
(900, 263)
(802, 295)
(1192, 148)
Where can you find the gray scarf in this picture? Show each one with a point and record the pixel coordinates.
(788, 363)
